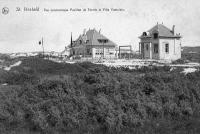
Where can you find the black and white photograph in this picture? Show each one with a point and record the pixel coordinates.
(99, 67)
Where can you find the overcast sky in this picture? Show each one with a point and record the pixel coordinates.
(21, 31)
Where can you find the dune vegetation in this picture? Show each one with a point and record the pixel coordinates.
(41, 96)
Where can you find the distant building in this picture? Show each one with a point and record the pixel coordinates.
(92, 44)
(15, 55)
(54, 54)
(160, 43)
(66, 52)
(32, 54)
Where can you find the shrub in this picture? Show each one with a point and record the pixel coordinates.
(101, 100)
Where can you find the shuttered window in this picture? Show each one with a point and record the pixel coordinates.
(167, 48)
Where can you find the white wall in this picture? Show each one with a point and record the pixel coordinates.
(107, 52)
(174, 49)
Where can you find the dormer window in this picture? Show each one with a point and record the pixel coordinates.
(155, 35)
(144, 34)
(103, 40)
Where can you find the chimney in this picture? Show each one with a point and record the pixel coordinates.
(173, 29)
(84, 31)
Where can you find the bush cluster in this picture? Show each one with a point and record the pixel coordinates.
(104, 100)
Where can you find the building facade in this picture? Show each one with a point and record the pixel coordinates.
(160, 43)
(93, 44)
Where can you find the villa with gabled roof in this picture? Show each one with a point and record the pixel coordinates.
(93, 44)
(160, 43)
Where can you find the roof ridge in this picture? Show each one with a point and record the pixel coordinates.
(103, 36)
(158, 27)
(162, 30)
(166, 27)
(93, 35)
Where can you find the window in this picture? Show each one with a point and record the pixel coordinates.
(155, 35)
(155, 48)
(103, 40)
(99, 51)
(88, 51)
(144, 34)
(147, 46)
(167, 48)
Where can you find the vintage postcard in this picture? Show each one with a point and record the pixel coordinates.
(99, 66)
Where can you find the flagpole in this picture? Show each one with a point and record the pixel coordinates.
(43, 47)
(71, 40)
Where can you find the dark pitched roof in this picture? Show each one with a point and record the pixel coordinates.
(163, 31)
(92, 37)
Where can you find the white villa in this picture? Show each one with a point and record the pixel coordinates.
(160, 43)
